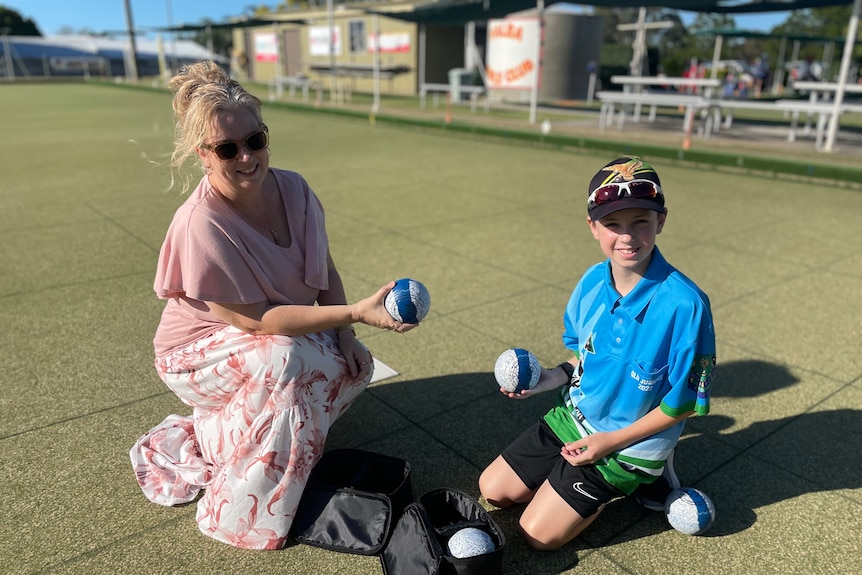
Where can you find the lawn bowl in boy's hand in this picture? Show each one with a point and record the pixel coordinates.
(469, 542)
(408, 301)
(516, 370)
(689, 510)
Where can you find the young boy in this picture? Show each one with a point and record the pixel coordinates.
(644, 354)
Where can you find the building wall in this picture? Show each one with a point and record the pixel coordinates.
(301, 47)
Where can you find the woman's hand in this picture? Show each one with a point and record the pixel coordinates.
(359, 359)
(371, 311)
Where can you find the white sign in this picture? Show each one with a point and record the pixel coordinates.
(393, 42)
(265, 47)
(318, 40)
(512, 51)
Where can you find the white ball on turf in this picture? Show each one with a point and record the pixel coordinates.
(408, 302)
(469, 542)
(689, 510)
(516, 370)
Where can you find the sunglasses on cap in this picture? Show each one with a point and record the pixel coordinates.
(636, 189)
(229, 149)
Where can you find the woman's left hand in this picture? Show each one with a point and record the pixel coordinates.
(359, 359)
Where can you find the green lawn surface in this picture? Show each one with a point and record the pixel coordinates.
(497, 233)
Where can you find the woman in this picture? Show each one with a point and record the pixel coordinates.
(241, 340)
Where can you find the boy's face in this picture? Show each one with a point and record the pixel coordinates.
(627, 237)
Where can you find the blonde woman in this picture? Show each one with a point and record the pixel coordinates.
(256, 334)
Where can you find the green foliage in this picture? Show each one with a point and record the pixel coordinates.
(13, 24)
(220, 39)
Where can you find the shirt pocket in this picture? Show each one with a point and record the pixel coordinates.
(650, 376)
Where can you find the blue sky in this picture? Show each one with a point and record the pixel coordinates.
(100, 15)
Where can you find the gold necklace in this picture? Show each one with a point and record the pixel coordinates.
(249, 219)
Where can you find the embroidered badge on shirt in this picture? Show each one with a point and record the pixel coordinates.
(588, 346)
(700, 376)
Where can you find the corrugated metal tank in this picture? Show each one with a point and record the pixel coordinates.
(572, 42)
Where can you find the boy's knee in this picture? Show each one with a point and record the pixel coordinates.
(488, 489)
(536, 539)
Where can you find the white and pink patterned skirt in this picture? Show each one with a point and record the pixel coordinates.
(262, 409)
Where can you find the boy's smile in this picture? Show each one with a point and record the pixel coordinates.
(627, 238)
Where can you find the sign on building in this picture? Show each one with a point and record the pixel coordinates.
(512, 50)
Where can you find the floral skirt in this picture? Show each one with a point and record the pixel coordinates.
(262, 409)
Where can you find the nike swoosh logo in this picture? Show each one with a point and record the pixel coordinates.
(579, 487)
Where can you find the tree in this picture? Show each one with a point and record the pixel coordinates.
(221, 39)
(13, 24)
(670, 44)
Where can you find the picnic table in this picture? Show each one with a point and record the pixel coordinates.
(668, 84)
(612, 101)
(791, 108)
(679, 83)
(475, 92)
(277, 86)
(820, 92)
(360, 70)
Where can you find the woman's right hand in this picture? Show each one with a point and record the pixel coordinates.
(371, 311)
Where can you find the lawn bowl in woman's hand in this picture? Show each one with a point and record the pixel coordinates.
(408, 301)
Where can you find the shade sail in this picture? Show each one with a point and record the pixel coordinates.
(462, 11)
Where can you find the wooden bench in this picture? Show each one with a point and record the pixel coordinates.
(475, 92)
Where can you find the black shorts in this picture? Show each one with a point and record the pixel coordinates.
(535, 456)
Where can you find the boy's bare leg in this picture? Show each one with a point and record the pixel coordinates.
(501, 486)
(549, 522)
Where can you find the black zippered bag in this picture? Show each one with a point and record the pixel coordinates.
(352, 500)
(419, 541)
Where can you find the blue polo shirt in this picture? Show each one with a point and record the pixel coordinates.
(655, 347)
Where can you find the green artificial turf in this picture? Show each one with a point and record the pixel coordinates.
(497, 233)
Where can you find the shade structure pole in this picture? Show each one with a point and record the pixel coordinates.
(852, 29)
(534, 93)
(132, 61)
(421, 49)
(716, 56)
(375, 107)
(331, 25)
(277, 58)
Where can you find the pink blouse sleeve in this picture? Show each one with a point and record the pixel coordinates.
(316, 242)
(200, 261)
(210, 254)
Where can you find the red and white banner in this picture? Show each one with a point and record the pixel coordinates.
(389, 43)
(319, 39)
(265, 47)
(512, 52)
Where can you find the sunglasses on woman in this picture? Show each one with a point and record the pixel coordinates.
(637, 189)
(229, 149)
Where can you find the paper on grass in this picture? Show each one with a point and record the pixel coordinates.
(382, 371)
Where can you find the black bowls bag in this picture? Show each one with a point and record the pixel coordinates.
(419, 542)
(352, 500)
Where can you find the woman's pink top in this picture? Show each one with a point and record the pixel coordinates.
(211, 254)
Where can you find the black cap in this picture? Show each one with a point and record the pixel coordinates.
(625, 169)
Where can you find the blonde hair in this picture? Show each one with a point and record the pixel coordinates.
(201, 90)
